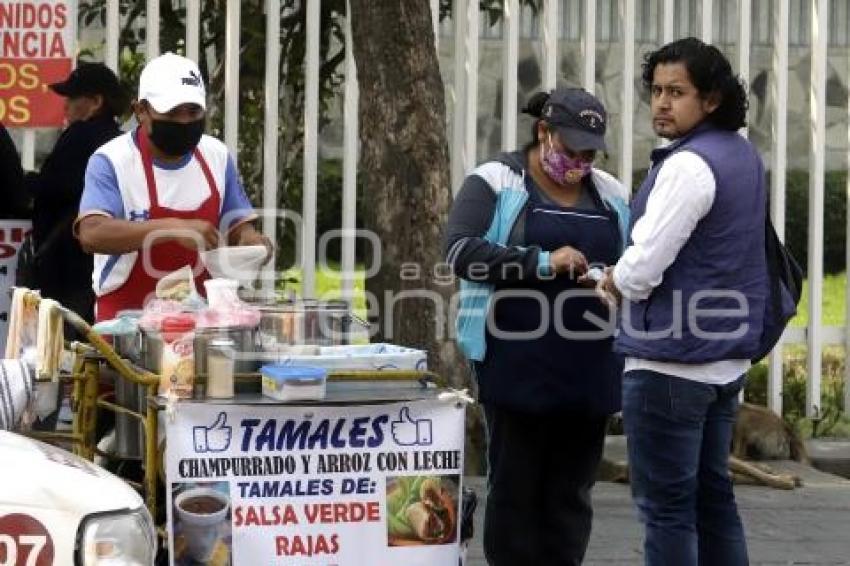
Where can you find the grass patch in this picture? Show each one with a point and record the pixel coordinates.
(833, 421)
(834, 302)
(328, 285)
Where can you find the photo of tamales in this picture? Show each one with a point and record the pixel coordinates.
(422, 510)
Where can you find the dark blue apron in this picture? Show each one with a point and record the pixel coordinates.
(551, 371)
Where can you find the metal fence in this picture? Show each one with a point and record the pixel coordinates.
(815, 31)
(739, 27)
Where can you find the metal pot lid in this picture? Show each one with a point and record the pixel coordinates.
(303, 305)
(224, 329)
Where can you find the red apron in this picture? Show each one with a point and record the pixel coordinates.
(165, 257)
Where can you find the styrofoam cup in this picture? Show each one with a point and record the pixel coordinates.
(221, 292)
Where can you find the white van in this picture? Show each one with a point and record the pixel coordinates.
(58, 509)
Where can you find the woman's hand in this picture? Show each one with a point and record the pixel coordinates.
(568, 260)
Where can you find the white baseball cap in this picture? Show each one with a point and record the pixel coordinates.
(171, 80)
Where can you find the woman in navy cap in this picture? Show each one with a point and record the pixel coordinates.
(524, 235)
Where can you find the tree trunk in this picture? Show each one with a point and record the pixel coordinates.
(404, 162)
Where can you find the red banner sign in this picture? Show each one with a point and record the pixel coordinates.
(36, 49)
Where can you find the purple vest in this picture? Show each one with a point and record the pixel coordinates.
(711, 301)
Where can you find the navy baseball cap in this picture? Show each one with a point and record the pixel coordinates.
(578, 117)
(89, 79)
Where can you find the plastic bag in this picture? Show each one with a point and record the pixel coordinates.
(121, 326)
(242, 263)
(155, 311)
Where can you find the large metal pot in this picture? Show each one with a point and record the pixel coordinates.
(244, 340)
(129, 434)
(305, 322)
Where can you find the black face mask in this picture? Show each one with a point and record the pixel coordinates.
(176, 138)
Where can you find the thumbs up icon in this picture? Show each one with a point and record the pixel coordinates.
(409, 432)
(215, 438)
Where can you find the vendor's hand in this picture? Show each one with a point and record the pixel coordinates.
(251, 237)
(607, 289)
(569, 260)
(196, 234)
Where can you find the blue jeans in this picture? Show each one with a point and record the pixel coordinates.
(679, 438)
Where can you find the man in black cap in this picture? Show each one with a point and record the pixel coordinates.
(61, 270)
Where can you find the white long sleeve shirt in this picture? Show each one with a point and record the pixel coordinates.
(683, 194)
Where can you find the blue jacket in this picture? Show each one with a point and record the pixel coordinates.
(506, 178)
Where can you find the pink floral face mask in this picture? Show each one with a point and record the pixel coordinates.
(562, 168)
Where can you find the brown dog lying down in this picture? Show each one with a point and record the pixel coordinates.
(759, 435)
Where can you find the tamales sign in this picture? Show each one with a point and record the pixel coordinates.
(315, 485)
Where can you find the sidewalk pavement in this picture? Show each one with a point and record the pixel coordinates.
(809, 525)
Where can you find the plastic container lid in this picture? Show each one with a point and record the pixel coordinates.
(178, 323)
(224, 346)
(281, 372)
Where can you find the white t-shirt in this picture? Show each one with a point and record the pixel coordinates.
(683, 194)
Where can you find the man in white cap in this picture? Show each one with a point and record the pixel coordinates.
(157, 195)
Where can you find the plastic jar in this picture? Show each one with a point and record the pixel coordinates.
(177, 372)
(220, 368)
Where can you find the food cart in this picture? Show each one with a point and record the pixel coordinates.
(369, 473)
